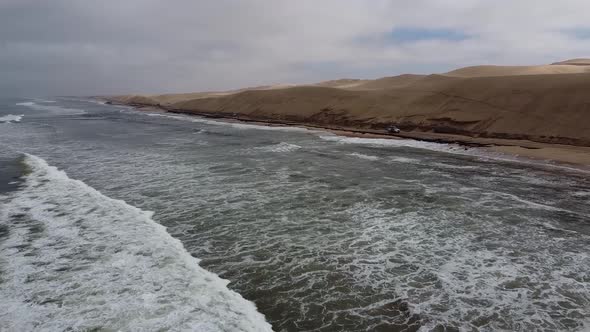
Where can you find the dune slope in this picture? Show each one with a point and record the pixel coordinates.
(482, 71)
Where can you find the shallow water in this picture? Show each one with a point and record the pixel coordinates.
(322, 233)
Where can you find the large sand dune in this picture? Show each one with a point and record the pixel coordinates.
(549, 103)
(481, 71)
(576, 62)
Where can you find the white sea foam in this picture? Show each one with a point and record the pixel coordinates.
(405, 160)
(394, 143)
(469, 286)
(77, 260)
(496, 200)
(267, 127)
(280, 147)
(440, 147)
(483, 155)
(450, 166)
(52, 109)
(11, 118)
(238, 125)
(551, 226)
(363, 156)
(95, 101)
(581, 194)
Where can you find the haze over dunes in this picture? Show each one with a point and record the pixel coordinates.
(547, 103)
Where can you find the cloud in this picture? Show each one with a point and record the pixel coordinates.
(110, 46)
(578, 33)
(414, 34)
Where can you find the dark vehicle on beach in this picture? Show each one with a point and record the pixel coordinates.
(393, 129)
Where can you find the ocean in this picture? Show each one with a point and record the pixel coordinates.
(117, 219)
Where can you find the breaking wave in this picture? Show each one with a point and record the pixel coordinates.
(75, 259)
(363, 156)
(238, 125)
(10, 118)
(394, 143)
(280, 147)
(51, 109)
(481, 154)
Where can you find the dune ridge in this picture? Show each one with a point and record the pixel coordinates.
(483, 71)
(576, 62)
(547, 103)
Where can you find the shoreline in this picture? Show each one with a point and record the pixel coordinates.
(570, 156)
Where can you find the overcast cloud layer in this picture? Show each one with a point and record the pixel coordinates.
(78, 47)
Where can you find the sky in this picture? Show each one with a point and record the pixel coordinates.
(89, 47)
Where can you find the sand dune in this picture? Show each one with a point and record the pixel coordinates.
(171, 98)
(481, 71)
(542, 103)
(389, 82)
(135, 99)
(343, 83)
(577, 62)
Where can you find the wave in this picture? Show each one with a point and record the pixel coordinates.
(450, 166)
(394, 143)
(475, 273)
(96, 101)
(383, 142)
(481, 154)
(581, 194)
(11, 118)
(75, 259)
(280, 147)
(363, 156)
(238, 125)
(52, 109)
(405, 160)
